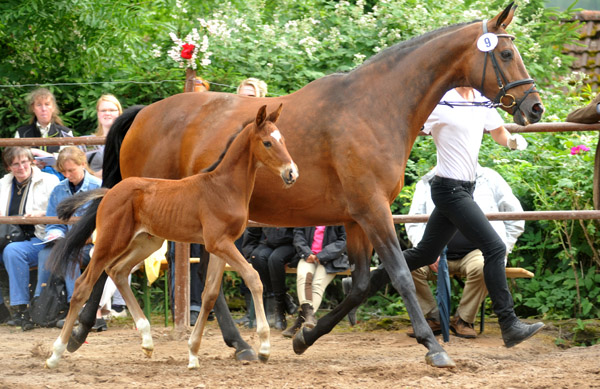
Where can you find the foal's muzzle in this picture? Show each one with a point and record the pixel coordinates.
(289, 174)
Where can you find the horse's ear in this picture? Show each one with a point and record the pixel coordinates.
(504, 18)
(275, 114)
(261, 115)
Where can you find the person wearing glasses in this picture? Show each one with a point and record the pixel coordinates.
(108, 108)
(24, 190)
(44, 123)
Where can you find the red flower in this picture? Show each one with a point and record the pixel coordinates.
(187, 50)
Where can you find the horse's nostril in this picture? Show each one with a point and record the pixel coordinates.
(538, 108)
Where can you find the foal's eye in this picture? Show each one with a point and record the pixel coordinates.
(267, 144)
(506, 55)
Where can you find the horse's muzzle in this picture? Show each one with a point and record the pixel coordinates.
(290, 174)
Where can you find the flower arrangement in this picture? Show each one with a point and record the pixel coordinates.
(190, 51)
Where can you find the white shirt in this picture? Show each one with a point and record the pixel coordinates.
(492, 194)
(457, 133)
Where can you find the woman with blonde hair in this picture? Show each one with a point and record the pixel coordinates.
(108, 108)
(72, 163)
(252, 87)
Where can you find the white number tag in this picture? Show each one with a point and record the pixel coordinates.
(487, 42)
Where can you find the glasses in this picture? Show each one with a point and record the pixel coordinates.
(109, 111)
(17, 165)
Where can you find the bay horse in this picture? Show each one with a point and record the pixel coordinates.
(138, 214)
(351, 135)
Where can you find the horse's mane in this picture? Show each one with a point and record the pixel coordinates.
(227, 146)
(408, 46)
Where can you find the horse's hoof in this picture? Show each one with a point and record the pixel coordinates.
(439, 359)
(77, 338)
(246, 355)
(264, 358)
(148, 351)
(298, 342)
(50, 364)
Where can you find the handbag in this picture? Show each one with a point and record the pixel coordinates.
(11, 233)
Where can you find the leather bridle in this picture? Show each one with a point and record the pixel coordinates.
(503, 84)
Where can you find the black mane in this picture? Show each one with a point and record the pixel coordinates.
(229, 142)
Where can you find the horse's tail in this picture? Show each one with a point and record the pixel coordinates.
(67, 250)
(111, 167)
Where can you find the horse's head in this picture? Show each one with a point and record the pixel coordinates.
(504, 78)
(270, 146)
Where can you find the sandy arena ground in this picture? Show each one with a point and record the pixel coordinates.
(346, 358)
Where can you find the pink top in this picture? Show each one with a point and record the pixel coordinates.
(317, 243)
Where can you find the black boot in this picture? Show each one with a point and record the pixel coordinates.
(310, 321)
(4, 313)
(290, 306)
(270, 308)
(518, 332)
(17, 316)
(280, 322)
(244, 320)
(347, 287)
(291, 331)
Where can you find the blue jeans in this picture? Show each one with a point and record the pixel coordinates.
(18, 258)
(44, 272)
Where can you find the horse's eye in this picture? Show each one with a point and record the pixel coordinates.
(506, 55)
(267, 144)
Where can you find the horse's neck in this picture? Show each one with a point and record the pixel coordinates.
(416, 78)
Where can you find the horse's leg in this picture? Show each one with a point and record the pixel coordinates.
(212, 285)
(230, 332)
(227, 250)
(83, 287)
(87, 316)
(359, 252)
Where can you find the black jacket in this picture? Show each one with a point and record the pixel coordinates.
(332, 255)
(56, 130)
(269, 236)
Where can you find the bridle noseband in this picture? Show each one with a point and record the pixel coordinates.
(503, 85)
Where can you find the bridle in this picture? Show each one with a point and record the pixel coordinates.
(503, 85)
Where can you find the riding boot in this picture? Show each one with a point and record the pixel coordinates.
(17, 316)
(291, 331)
(280, 322)
(4, 313)
(270, 308)
(290, 306)
(308, 313)
(244, 320)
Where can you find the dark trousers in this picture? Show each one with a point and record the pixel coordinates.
(270, 264)
(456, 209)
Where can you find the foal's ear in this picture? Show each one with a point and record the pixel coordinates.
(504, 18)
(275, 114)
(261, 115)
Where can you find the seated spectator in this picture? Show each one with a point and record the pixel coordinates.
(252, 87)
(44, 123)
(108, 108)
(492, 194)
(24, 190)
(72, 163)
(322, 254)
(269, 249)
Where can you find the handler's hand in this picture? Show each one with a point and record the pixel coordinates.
(516, 142)
(434, 266)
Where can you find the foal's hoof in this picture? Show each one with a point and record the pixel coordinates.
(148, 351)
(298, 343)
(264, 358)
(439, 359)
(246, 355)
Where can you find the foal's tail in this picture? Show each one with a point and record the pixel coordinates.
(67, 250)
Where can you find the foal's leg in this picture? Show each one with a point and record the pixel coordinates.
(212, 285)
(230, 332)
(227, 250)
(141, 247)
(83, 287)
(87, 316)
